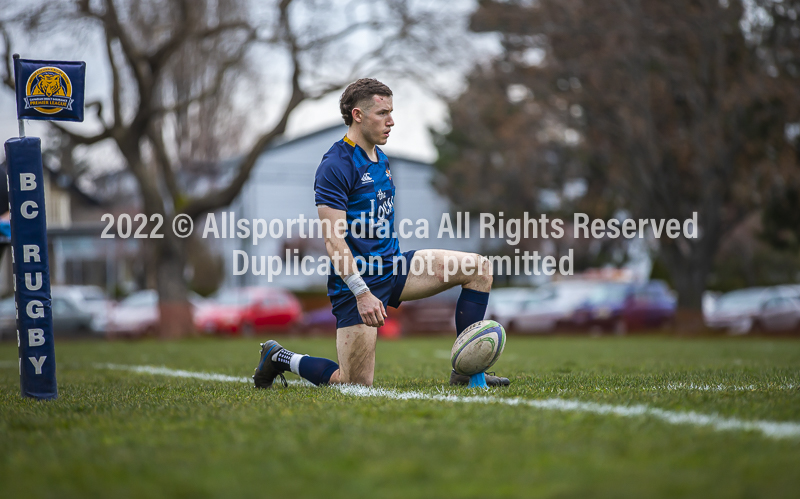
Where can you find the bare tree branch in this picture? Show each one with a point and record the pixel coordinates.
(160, 56)
(327, 39)
(8, 77)
(185, 58)
(226, 195)
(84, 140)
(114, 30)
(116, 90)
(214, 88)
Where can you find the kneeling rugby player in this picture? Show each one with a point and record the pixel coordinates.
(354, 184)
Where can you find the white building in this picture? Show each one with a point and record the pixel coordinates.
(281, 187)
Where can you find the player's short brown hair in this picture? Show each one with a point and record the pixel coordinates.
(358, 91)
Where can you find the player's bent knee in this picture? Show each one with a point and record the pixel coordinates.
(485, 276)
(487, 268)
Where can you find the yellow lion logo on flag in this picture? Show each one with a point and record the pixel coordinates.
(49, 91)
(49, 85)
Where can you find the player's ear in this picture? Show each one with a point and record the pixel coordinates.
(358, 115)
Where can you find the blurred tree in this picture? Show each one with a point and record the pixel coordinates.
(781, 220)
(181, 70)
(664, 108)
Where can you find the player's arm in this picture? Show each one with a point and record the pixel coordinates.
(369, 306)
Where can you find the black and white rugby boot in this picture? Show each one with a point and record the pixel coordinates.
(267, 369)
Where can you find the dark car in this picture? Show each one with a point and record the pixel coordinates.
(68, 317)
(621, 307)
(320, 320)
(8, 319)
(90, 299)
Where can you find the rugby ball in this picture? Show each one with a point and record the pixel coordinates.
(478, 347)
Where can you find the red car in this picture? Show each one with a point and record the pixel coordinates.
(247, 310)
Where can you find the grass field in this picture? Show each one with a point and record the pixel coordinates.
(612, 417)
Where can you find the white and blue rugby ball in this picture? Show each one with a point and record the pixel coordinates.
(478, 347)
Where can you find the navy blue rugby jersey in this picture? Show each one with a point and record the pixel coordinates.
(348, 180)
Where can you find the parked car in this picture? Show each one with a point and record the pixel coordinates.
(738, 311)
(91, 299)
(779, 314)
(69, 319)
(434, 314)
(8, 319)
(552, 307)
(246, 310)
(69, 316)
(138, 314)
(505, 303)
(320, 320)
(620, 307)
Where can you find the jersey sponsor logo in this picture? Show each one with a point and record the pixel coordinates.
(388, 173)
(385, 209)
(366, 178)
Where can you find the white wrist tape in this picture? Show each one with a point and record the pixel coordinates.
(356, 284)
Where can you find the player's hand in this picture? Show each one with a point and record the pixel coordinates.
(371, 310)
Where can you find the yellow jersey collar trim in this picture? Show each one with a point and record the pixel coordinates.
(348, 141)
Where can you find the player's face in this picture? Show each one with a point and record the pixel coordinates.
(377, 120)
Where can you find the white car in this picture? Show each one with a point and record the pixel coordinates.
(552, 306)
(738, 311)
(138, 314)
(505, 303)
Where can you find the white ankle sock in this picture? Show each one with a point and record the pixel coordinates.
(294, 363)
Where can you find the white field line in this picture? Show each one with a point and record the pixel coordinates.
(687, 387)
(175, 373)
(179, 373)
(772, 429)
(723, 388)
(659, 388)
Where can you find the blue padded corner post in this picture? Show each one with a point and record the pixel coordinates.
(37, 355)
(478, 381)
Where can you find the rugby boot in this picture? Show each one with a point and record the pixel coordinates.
(491, 380)
(267, 369)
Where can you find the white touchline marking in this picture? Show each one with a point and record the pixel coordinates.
(179, 373)
(723, 388)
(176, 373)
(772, 429)
(662, 388)
(670, 387)
(688, 387)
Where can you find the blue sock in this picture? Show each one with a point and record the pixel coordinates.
(470, 308)
(317, 370)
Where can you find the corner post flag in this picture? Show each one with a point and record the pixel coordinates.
(45, 90)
